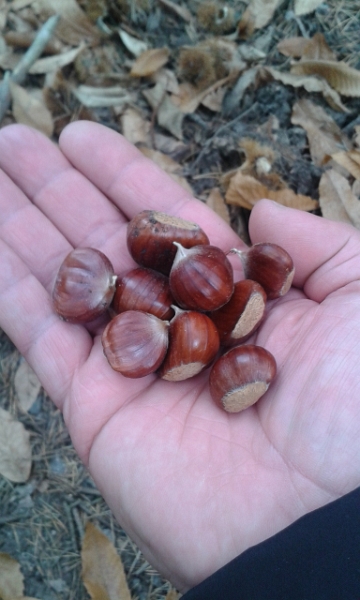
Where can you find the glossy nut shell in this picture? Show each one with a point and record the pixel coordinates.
(201, 278)
(135, 343)
(242, 315)
(145, 290)
(193, 345)
(150, 237)
(240, 377)
(84, 286)
(270, 265)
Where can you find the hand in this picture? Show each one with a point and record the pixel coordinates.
(192, 485)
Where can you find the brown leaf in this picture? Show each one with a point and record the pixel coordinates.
(189, 98)
(15, 449)
(170, 166)
(324, 135)
(217, 203)
(257, 15)
(11, 579)
(337, 200)
(102, 570)
(350, 161)
(27, 385)
(294, 46)
(134, 127)
(315, 48)
(168, 114)
(303, 7)
(74, 27)
(92, 96)
(149, 62)
(318, 49)
(133, 44)
(311, 84)
(29, 110)
(339, 75)
(53, 63)
(245, 191)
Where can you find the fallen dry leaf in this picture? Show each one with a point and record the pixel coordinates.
(315, 48)
(102, 569)
(134, 127)
(245, 191)
(53, 63)
(133, 44)
(167, 79)
(339, 75)
(311, 84)
(149, 62)
(216, 202)
(189, 98)
(303, 7)
(15, 449)
(167, 164)
(293, 46)
(27, 385)
(29, 110)
(74, 27)
(350, 161)
(333, 189)
(168, 115)
(11, 579)
(324, 135)
(257, 15)
(92, 96)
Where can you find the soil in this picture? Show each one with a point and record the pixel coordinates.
(42, 521)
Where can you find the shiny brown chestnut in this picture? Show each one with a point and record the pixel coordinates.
(193, 345)
(84, 286)
(270, 265)
(135, 343)
(242, 315)
(241, 376)
(145, 290)
(150, 237)
(201, 278)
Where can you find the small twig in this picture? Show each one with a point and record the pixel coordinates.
(217, 132)
(18, 75)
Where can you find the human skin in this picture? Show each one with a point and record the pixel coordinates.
(192, 485)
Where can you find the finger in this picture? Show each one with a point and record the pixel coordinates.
(37, 174)
(134, 182)
(53, 348)
(326, 253)
(29, 233)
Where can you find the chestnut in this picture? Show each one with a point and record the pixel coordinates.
(135, 343)
(241, 316)
(201, 278)
(150, 237)
(241, 376)
(84, 285)
(145, 290)
(193, 345)
(270, 265)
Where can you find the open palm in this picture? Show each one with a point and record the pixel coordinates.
(192, 485)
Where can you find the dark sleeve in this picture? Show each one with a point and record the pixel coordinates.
(315, 558)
